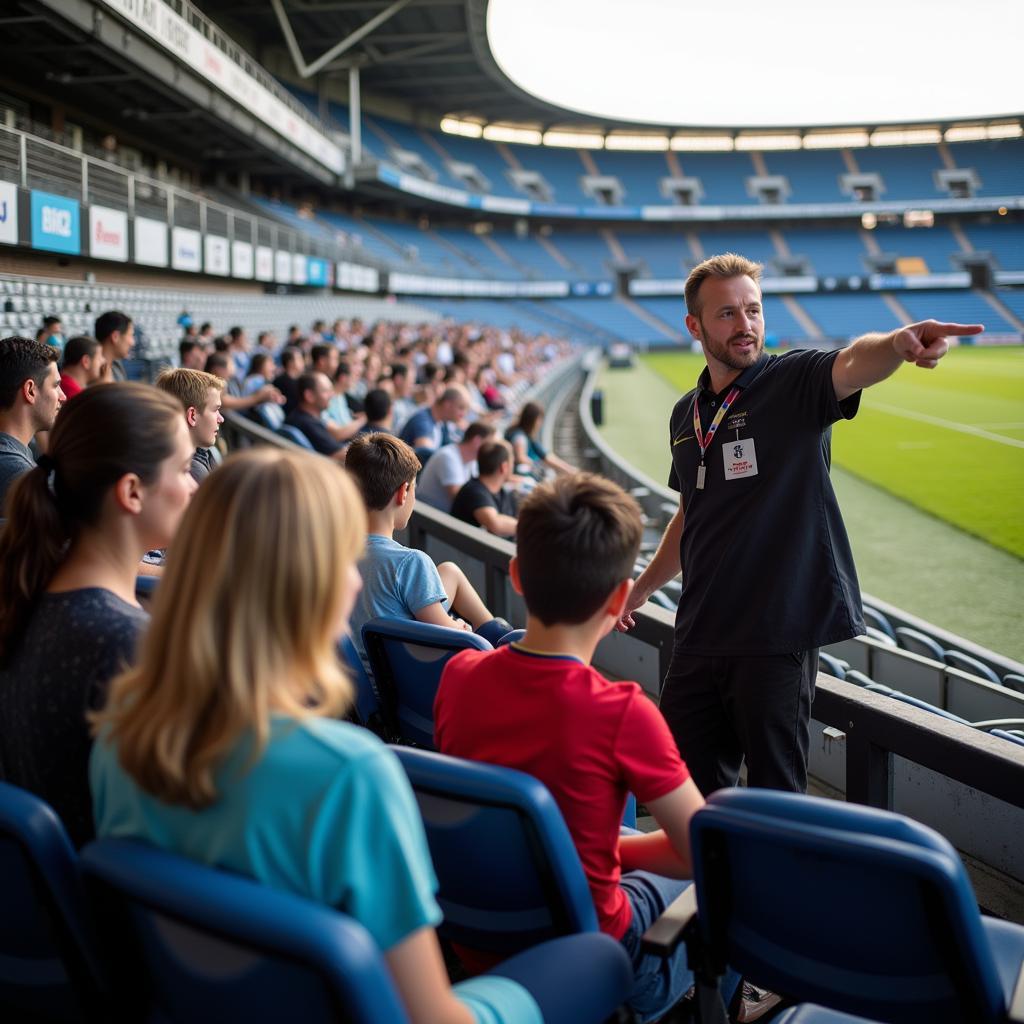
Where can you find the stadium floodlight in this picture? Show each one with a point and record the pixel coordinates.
(771, 141)
(1012, 130)
(509, 133)
(836, 140)
(918, 219)
(701, 143)
(906, 137)
(868, 221)
(574, 140)
(648, 143)
(453, 126)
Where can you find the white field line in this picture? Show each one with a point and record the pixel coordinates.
(936, 421)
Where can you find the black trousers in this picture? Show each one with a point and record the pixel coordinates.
(724, 709)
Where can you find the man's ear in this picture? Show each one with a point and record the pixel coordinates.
(513, 575)
(29, 391)
(617, 599)
(693, 326)
(402, 495)
(191, 415)
(128, 493)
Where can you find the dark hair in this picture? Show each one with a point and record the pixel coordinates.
(477, 429)
(290, 354)
(216, 361)
(235, 333)
(307, 382)
(49, 321)
(376, 405)
(206, 326)
(529, 417)
(220, 343)
(318, 352)
(104, 433)
(380, 464)
(258, 361)
(20, 359)
(399, 370)
(492, 456)
(109, 322)
(577, 540)
(78, 348)
(185, 346)
(343, 370)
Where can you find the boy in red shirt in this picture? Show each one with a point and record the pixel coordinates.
(540, 707)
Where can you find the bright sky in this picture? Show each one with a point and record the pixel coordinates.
(760, 63)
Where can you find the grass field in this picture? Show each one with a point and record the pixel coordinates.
(918, 496)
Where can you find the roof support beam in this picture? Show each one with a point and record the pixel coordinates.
(309, 70)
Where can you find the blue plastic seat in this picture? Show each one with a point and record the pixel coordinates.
(972, 666)
(873, 617)
(509, 873)
(831, 665)
(881, 636)
(197, 945)
(48, 965)
(903, 941)
(512, 637)
(916, 702)
(916, 642)
(858, 678)
(1013, 681)
(366, 710)
(808, 1013)
(407, 659)
(269, 415)
(294, 435)
(145, 586)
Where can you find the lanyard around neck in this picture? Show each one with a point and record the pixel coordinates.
(704, 442)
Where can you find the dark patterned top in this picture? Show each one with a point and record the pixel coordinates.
(75, 643)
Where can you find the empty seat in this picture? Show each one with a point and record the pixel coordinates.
(873, 617)
(971, 665)
(916, 642)
(1013, 681)
(831, 665)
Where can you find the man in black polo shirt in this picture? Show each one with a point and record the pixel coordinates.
(767, 568)
(315, 390)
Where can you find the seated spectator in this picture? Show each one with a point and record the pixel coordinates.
(524, 436)
(314, 393)
(53, 332)
(224, 743)
(30, 398)
(486, 500)
(344, 416)
(451, 466)
(402, 386)
(82, 365)
(238, 350)
(540, 707)
(438, 424)
(220, 364)
(191, 354)
(293, 365)
(200, 395)
(113, 486)
(324, 359)
(116, 334)
(377, 412)
(400, 582)
(261, 372)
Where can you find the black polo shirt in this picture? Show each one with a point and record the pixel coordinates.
(313, 427)
(767, 566)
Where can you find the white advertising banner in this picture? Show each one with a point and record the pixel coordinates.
(108, 233)
(264, 263)
(357, 278)
(186, 249)
(241, 259)
(216, 258)
(8, 213)
(283, 267)
(174, 33)
(150, 242)
(299, 270)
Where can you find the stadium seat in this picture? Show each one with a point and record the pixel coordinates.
(145, 586)
(905, 943)
(964, 662)
(916, 642)
(294, 435)
(407, 659)
(858, 678)
(48, 965)
(1016, 736)
(906, 698)
(485, 823)
(831, 665)
(511, 638)
(194, 944)
(268, 415)
(366, 709)
(808, 1013)
(1013, 681)
(881, 636)
(873, 617)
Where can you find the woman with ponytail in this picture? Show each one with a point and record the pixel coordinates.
(113, 485)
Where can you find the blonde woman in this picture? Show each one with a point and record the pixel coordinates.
(114, 485)
(219, 745)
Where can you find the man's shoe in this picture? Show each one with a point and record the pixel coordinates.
(755, 1003)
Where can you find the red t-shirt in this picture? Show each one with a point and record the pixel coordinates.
(69, 386)
(590, 741)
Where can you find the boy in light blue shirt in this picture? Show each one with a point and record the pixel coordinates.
(400, 582)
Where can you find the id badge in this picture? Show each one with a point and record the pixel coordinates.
(740, 458)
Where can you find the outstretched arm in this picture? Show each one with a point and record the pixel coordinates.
(873, 357)
(664, 566)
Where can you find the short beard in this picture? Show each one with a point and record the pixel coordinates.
(726, 358)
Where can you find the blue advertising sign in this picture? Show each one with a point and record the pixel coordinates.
(316, 272)
(55, 223)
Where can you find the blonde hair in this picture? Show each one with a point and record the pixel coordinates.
(245, 622)
(190, 387)
(724, 265)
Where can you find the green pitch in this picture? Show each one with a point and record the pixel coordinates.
(916, 495)
(950, 441)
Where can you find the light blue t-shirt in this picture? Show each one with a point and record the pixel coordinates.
(397, 582)
(327, 813)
